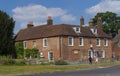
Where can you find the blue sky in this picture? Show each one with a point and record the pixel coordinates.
(62, 11)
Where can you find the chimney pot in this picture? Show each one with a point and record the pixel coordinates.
(81, 21)
(91, 22)
(30, 24)
(49, 20)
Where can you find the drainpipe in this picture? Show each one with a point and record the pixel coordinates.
(60, 45)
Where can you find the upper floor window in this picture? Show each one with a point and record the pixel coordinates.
(34, 44)
(76, 29)
(105, 42)
(81, 41)
(94, 30)
(25, 44)
(45, 42)
(98, 41)
(70, 41)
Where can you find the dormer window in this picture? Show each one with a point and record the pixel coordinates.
(94, 30)
(76, 29)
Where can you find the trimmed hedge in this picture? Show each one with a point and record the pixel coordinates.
(61, 62)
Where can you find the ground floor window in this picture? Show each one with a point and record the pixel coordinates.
(50, 56)
(90, 53)
(103, 54)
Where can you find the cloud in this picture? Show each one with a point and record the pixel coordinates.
(103, 6)
(38, 14)
(67, 18)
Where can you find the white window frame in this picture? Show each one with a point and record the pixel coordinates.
(70, 43)
(90, 53)
(49, 56)
(105, 42)
(75, 29)
(97, 41)
(45, 43)
(34, 44)
(103, 54)
(25, 44)
(81, 42)
(94, 30)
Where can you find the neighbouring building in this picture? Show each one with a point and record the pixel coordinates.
(67, 42)
(116, 45)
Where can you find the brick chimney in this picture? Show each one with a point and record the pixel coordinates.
(81, 21)
(49, 20)
(99, 23)
(91, 22)
(30, 24)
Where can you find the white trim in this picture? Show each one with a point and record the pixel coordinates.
(45, 43)
(82, 41)
(98, 41)
(94, 30)
(25, 44)
(34, 44)
(49, 56)
(72, 42)
(103, 54)
(90, 53)
(105, 42)
(75, 29)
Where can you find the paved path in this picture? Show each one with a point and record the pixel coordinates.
(110, 71)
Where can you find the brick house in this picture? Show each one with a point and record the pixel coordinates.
(116, 45)
(65, 41)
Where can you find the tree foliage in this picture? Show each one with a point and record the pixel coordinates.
(111, 22)
(31, 52)
(6, 34)
(19, 50)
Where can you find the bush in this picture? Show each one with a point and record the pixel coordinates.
(20, 63)
(9, 62)
(61, 62)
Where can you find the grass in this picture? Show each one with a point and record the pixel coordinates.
(30, 69)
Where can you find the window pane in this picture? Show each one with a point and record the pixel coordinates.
(70, 41)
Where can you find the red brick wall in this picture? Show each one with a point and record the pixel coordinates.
(60, 45)
(53, 45)
(68, 51)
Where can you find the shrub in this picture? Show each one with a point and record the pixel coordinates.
(9, 62)
(20, 62)
(61, 62)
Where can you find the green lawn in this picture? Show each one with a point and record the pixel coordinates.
(28, 69)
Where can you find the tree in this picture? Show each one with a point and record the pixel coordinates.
(111, 22)
(19, 50)
(6, 34)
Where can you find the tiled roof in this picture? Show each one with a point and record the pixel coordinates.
(44, 31)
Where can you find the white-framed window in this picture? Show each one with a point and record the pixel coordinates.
(50, 56)
(25, 44)
(70, 41)
(103, 54)
(94, 30)
(34, 44)
(45, 43)
(105, 42)
(81, 43)
(90, 53)
(76, 29)
(98, 41)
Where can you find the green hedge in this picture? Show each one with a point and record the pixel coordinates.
(61, 62)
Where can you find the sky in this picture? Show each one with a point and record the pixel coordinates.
(61, 11)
